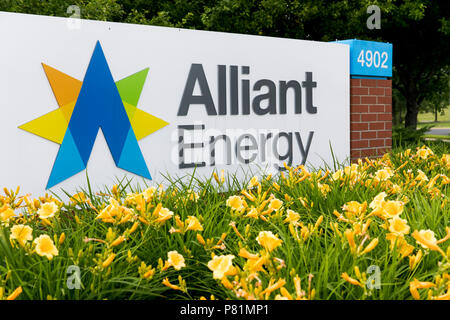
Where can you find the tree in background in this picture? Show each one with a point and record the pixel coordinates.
(418, 29)
(106, 10)
(439, 100)
(420, 33)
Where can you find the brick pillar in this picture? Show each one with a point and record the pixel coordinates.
(370, 117)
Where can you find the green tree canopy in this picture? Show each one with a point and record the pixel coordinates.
(418, 29)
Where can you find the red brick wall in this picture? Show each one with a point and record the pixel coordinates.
(370, 117)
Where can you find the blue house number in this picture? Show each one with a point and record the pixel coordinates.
(370, 58)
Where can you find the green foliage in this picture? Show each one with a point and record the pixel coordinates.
(106, 10)
(404, 136)
(439, 100)
(322, 256)
(418, 29)
(421, 46)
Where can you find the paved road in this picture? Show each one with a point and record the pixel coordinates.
(439, 131)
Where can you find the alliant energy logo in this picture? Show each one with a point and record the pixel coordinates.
(98, 102)
(262, 98)
(170, 103)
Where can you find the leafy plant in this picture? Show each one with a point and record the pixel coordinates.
(404, 136)
(376, 229)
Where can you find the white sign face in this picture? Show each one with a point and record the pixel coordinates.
(142, 101)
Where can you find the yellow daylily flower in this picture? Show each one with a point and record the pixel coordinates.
(427, 240)
(337, 175)
(105, 215)
(48, 210)
(6, 215)
(21, 233)
(378, 200)
(398, 226)
(291, 216)
(384, 174)
(424, 152)
(324, 188)
(175, 260)
(253, 213)
(416, 284)
(235, 203)
(268, 240)
(163, 215)
(221, 265)
(421, 176)
(354, 208)
(401, 245)
(275, 204)
(389, 209)
(45, 247)
(149, 193)
(192, 223)
(255, 265)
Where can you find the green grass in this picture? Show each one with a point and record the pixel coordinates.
(318, 256)
(435, 136)
(428, 118)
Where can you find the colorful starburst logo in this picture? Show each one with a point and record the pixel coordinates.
(98, 102)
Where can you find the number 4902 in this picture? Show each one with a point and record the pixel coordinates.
(368, 58)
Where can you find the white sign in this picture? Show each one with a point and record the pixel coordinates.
(142, 101)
